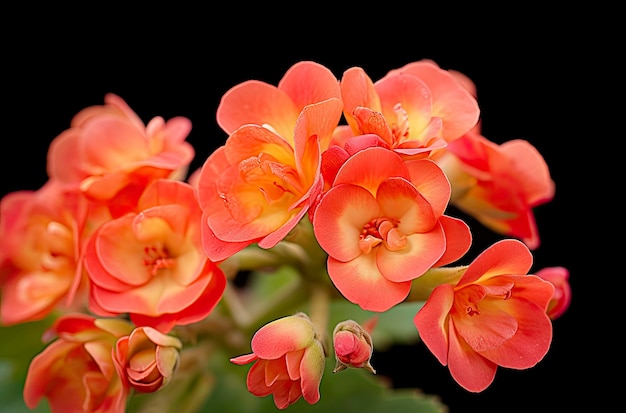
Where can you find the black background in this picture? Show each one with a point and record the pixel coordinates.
(531, 82)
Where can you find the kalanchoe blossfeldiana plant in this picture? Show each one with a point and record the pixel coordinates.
(324, 213)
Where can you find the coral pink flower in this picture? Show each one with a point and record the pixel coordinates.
(562, 298)
(415, 109)
(151, 264)
(147, 359)
(499, 185)
(42, 235)
(494, 316)
(279, 107)
(256, 187)
(288, 361)
(76, 372)
(111, 155)
(382, 224)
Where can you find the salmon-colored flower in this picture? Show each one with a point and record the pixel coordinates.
(415, 109)
(151, 264)
(494, 316)
(353, 346)
(111, 155)
(42, 234)
(562, 298)
(76, 373)
(382, 224)
(147, 359)
(279, 107)
(288, 361)
(499, 185)
(257, 187)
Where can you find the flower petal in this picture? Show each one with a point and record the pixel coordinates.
(281, 336)
(340, 217)
(361, 283)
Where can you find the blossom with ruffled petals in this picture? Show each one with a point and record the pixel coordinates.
(76, 372)
(151, 264)
(495, 315)
(499, 185)
(415, 109)
(288, 361)
(562, 298)
(42, 234)
(382, 224)
(147, 359)
(110, 154)
(279, 107)
(261, 182)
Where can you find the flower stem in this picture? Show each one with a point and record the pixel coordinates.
(319, 308)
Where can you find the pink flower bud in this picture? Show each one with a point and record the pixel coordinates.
(353, 346)
(147, 358)
(562, 297)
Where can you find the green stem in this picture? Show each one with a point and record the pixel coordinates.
(250, 314)
(319, 308)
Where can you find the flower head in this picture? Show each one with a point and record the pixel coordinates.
(76, 372)
(415, 109)
(499, 185)
(494, 316)
(147, 359)
(110, 155)
(150, 263)
(288, 361)
(382, 224)
(42, 236)
(257, 187)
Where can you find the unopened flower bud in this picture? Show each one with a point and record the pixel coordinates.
(562, 297)
(353, 346)
(147, 358)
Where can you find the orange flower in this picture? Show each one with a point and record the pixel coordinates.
(494, 316)
(147, 359)
(279, 107)
(499, 185)
(111, 155)
(76, 372)
(257, 187)
(288, 361)
(415, 109)
(41, 241)
(559, 277)
(151, 264)
(382, 224)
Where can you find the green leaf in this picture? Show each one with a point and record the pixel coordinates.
(11, 390)
(348, 391)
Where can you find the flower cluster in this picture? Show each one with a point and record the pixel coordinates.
(147, 269)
